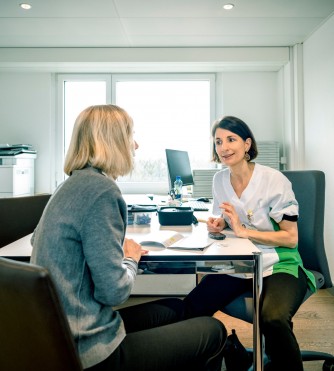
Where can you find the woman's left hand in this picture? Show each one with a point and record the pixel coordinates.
(229, 210)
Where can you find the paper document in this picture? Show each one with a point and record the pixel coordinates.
(175, 240)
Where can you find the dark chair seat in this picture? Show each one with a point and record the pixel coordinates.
(34, 332)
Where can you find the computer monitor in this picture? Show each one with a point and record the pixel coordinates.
(178, 164)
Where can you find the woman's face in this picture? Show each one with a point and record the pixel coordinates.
(230, 147)
(134, 148)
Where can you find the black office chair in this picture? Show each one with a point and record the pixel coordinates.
(309, 188)
(34, 332)
(19, 216)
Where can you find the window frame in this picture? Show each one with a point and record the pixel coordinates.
(111, 79)
(60, 119)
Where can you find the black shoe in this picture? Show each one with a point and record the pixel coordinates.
(235, 354)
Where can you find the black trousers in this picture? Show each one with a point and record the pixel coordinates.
(159, 339)
(281, 297)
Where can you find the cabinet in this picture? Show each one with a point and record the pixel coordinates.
(17, 175)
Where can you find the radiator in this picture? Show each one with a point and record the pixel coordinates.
(269, 155)
(203, 182)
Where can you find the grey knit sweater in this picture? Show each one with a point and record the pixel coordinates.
(79, 240)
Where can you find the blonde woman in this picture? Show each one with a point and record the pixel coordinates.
(81, 240)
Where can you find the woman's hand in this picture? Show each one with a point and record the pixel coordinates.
(215, 224)
(229, 210)
(133, 250)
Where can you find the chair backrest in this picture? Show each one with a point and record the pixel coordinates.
(19, 216)
(34, 332)
(309, 189)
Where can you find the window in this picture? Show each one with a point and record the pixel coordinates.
(75, 93)
(169, 111)
(79, 95)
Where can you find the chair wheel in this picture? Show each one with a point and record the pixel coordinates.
(328, 366)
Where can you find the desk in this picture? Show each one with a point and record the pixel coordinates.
(233, 248)
(19, 250)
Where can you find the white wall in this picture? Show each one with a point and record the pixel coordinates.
(254, 97)
(26, 116)
(28, 106)
(319, 118)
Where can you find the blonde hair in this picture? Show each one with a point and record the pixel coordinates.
(102, 138)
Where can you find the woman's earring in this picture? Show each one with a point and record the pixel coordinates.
(247, 157)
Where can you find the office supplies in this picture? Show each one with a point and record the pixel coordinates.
(225, 267)
(138, 199)
(16, 149)
(203, 199)
(140, 214)
(195, 221)
(197, 205)
(141, 208)
(175, 215)
(178, 164)
(14, 146)
(175, 240)
(217, 235)
(200, 220)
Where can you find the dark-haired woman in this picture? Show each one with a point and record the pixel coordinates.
(256, 202)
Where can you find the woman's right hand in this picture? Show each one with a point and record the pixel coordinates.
(133, 250)
(215, 224)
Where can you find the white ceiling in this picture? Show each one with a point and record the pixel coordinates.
(157, 23)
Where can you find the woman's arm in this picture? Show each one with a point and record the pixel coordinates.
(287, 236)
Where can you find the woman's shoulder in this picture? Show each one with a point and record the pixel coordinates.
(222, 173)
(94, 181)
(268, 171)
(270, 176)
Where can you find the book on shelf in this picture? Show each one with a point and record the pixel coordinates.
(175, 240)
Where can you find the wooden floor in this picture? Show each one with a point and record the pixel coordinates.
(313, 325)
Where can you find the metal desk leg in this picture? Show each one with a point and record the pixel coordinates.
(257, 338)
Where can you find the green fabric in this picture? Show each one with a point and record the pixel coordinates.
(290, 260)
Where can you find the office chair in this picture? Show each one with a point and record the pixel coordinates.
(19, 216)
(309, 189)
(34, 332)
